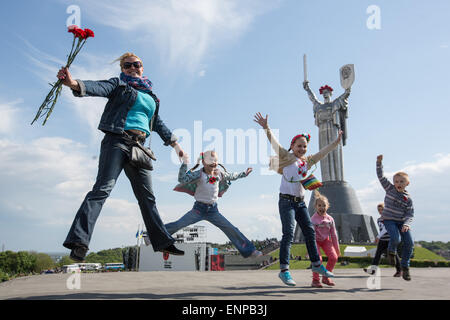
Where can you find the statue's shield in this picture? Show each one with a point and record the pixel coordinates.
(347, 73)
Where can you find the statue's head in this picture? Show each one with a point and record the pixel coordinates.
(326, 91)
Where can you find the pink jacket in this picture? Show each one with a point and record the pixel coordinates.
(325, 227)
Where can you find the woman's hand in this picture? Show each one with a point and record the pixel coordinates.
(248, 171)
(67, 80)
(181, 154)
(261, 121)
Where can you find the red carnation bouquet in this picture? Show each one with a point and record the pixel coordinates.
(80, 37)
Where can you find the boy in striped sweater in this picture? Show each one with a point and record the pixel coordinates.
(397, 216)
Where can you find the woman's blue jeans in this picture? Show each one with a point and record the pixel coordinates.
(394, 229)
(202, 211)
(114, 156)
(290, 212)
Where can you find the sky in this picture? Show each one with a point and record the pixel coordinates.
(214, 64)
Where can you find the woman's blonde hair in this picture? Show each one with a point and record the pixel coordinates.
(321, 197)
(124, 56)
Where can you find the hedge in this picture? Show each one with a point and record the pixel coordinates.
(413, 263)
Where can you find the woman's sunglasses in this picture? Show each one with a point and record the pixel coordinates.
(136, 64)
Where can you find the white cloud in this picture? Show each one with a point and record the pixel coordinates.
(183, 32)
(8, 112)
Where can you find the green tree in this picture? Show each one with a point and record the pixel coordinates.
(43, 262)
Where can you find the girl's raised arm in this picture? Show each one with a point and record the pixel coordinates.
(279, 150)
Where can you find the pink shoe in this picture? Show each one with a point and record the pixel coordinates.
(316, 284)
(328, 282)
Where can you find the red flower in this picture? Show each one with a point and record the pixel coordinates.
(405, 198)
(89, 33)
(212, 180)
(77, 32)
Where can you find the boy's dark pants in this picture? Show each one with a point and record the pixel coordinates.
(382, 248)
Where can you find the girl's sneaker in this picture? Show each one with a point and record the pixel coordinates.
(322, 271)
(328, 282)
(316, 284)
(286, 278)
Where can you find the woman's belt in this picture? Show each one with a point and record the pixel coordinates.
(291, 197)
(133, 135)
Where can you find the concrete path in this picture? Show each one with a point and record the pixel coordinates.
(427, 283)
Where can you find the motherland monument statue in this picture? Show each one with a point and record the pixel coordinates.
(331, 116)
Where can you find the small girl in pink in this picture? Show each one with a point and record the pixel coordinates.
(326, 237)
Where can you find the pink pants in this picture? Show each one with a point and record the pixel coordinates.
(330, 252)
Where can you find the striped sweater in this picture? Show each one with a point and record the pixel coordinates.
(398, 206)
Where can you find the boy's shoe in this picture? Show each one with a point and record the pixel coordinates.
(371, 270)
(406, 274)
(78, 253)
(286, 278)
(398, 274)
(256, 253)
(322, 271)
(328, 282)
(316, 284)
(391, 258)
(173, 250)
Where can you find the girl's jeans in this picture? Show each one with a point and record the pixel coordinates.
(114, 156)
(202, 211)
(290, 212)
(330, 252)
(394, 230)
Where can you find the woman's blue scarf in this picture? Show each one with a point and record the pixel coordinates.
(142, 84)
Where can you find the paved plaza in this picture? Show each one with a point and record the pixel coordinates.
(427, 283)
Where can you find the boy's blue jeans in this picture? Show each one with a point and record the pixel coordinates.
(202, 211)
(394, 230)
(114, 156)
(289, 213)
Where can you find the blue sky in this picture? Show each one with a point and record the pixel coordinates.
(219, 62)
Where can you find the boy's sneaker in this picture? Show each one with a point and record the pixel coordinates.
(256, 253)
(316, 284)
(173, 250)
(323, 271)
(78, 253)
(406, 274)
(286, 278)
(371, 270)
(328, 282)
(398, 274)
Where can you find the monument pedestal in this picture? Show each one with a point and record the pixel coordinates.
(352, 225)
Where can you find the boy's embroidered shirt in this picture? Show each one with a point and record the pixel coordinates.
(325, 228)
(398, 206)
(189, 180)
(290, 180)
